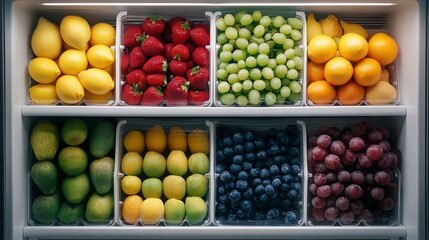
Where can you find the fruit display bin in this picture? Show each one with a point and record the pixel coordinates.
(197, 94)
(280, 59)
(260, 173)
(196, 129)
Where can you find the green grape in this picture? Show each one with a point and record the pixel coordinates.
(290, 64)
(241, 43)
(285, 91)
(250, 28)
(267, 73)
(233, 78)
(242, 100)
(275, 83)
(227, 99)
(229, 19)
(269, 99)
(247, 85)
(223, 87)
(254, 97)
(268, 87)
(285, 29)
(228, 47)
(299, 51)
(246, 19)
(295, 87)
(225, 56)
(294, 97)
(263, 48)
(231, 33)
(238, 16)
(231, 41)
(256, 15)
(295, 35)
(280, 99)
(268, 36)
(223, 65)
(285, 81)
(239, 55)
(278, 21)
(232, 68)
(244, 33)
(241, 64)
(243, 74)
(288, 44)
(271, 44)
(272, 63)
(281, 58)
(221, 74)
(298, 62)
(220, 24)
(280, 71)
(292, 74)
(279, 38)
(259, 85)
(259, 31)
(262, 59)
(252, 48)
(222, 39)
(265, 21)
(251, 62)
(236, 87)
(255, 74)
(257, 40)
(290, 53)
(295, 23)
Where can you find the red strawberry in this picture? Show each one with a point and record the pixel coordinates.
(125, 63)
(131, 35)
(152, 46)
(153, 25)
(200, 36)
(189, 45)
(176, 92)
(156, 79)
(205, 26)
(167, 51)
(190, 64)
(153, 96)
(198, 77)
(177, 68)
(201, 56)
(156, 64)
(131, 94)
(174, 20)
(166, 35)
(138, 77)
(198, 97)
(180, 52)
(180, 32)
(137, 58)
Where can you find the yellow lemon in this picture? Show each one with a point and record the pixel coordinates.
(132, 164)
(110, 69)
(46, 39)
(102, 33)
(75, 31)
(72, 62)
(156, 139)
(321, 48)
(151, 211)
(174, 187)
(353, 46)
(43, 94)
(131, 209)
(69, 89)
(96, 80)
(100, 56)
(134, 141)
(177, 139)
(67, 47)
(92, 98)
(131, 184)
(43, 70)
(338, 71)
(198, 141)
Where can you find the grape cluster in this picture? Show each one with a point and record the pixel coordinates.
(353, 174)
(259, 59)
(259, 178)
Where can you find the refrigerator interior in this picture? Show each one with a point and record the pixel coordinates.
(405, 20)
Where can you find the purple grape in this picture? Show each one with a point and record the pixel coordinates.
(375, 136)
(385, 145)
(324, 191)
(358, 177)
(392, 188)
(356, 144)
(348, 158)
(331, 213)
(318, 153)
(320, 168)
(369, 179)
(385, 132)
(337, 147)
(345, 137)
(346, 217)
(366, 215)
(337, 189)
(374, 152)
(377, 193)
(382, 178)
(384, 162)
(358, 130)
(356, 206)
(394, 159)
(330, 201)
(387, 204)
(331, 177)
(334, 132)
(318, 214)
(364, 161)
(313, 188)
(332, 161)
(319, 179)
(324, 141)
(353, 191)
(344, 177)
(312, 141)
(342, 203)
(318, 202)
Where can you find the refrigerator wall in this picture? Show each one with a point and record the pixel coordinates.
(404, 19)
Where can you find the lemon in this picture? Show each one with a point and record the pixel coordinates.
(132, 164)
(43, 94)
(134, 141)
(353, 46)
(321, 48)
(43, 70)
(100, 56)
(131, 209)
(110, 69)
(92, 98)
(151, 211)
(75, 31)
(46, 39)
(67, 47)
(72, 62)
(96, 80)
(102, 33)
(69, 89)
(131, 185)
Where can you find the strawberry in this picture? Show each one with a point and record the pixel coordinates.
(137, 77)
(156, 64)
(177, 68)
(190, 64)
(153, 96)
(199, 36)
(153, 26)
(176, 19)
(156, 79)
(137, 58)
(180, 52)
(167, 51)
(176, 92)
(198, 77)
(198, 97)
(131, 94)
(166, 35)
(201, 56)
(125, 63)
(205, 26)
(189, 45)
(152, 46)
(180, 32)
(131, 35)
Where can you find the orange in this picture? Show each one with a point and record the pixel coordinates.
(338, 71)
(382, 48)
(131, 209)
(353, 46)
(367, 72)
(350, 93)
(177, 139)
(134, 141)
(321, 92)
(198, 141)
(156, 139)
(321, 48)
(315, 71)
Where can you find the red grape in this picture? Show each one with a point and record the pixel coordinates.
(368, 125)
(367, 216)
(358, 177)
(324, 191)
(343, 177)
(369, 179)
(319, 179)
(358, 130)
(385, 145)
(375, 136)
(337, 189)
(312, 141)
(320, 168)
(374, 152)
(356, 206)
(318, 202)
(384, 162)
(353, 191)
(364, 161)
(382, 178)
(331, 177)
(332, 161)
(334, 132)
(324, 141)
(337, 147)
(330, 201)
(387, 204)
(346, 136)
(392, 188)
(342, 203)
(346, 217)
(318, 214)
(385, 132)
(318, 153)
(356, 144)
(331, 213)
(394, 159)
(313, 188)
(377, 193)
(348, 158)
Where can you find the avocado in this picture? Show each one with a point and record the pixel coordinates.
(76, 188)
(45, 175)
(101, 174)
(45, 139)
(69, 213)
(99, 208)
(45, 207)
(102, 139)
(74, 131)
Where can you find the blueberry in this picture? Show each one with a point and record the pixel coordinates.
(234, 195)
(228, 151)
(295, 169)
(269, 189)
(248, 135)
(224, 199)
(254, 172)
(278, 159)
(259, 143)
(232, 217)
(242, 175)
(285, 168)
(295, 186)
(237, 159)
(265, 173)
(264, 197)
(225, 176)
(274, 150)
(295, 161)
(235, 168)
(259, 216)
(273, 214)
(249, 147)
(240, 213)
(269, 162)
(221, 209)
(266, 182)
(257, 181)
(242, 185)
(220, 156)
(274, 170)
(246, 205)
(292, 194)
(293, 152)
(251, 157)
(291, 218)
(227, 141)
(261, 155)
(219, 168)
(248, 194)
(296, 178)
(295, 141)
(238, 149)
(229, 185)
(277, 183)
(285, 204)
(285, 187)
(287, 178)
(282, 137)
(247, 166)
(235, 204)
(259, 189)
(221, 190)
(283, 149)
(237, 138)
